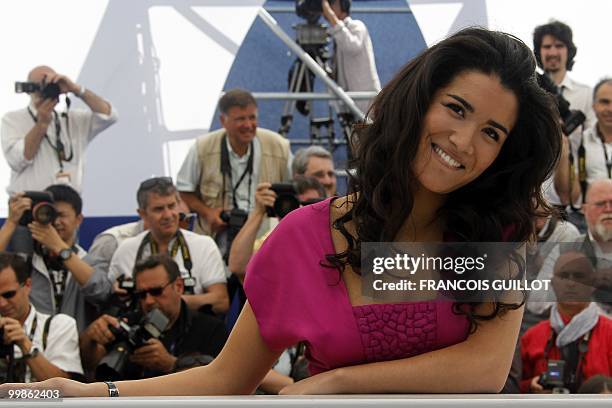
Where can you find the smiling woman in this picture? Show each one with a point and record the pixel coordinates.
(460, 142)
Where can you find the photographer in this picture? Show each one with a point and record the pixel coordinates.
(597, 139)
(44, 147)
(35, 346)
(355, 67)
(223, 167)
(246, 243)
(158, 286)
(555, 50)
(316, 161)
(63, 278)
(198, 257)
(576, 340)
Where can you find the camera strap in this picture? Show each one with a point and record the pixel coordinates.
(581, 171)
(574, 354)
(58, 274)
(608, 161)
(59, 147)
(179, 243)
(226, 170)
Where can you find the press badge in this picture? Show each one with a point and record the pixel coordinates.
(62, 177)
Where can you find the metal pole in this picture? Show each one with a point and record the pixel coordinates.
(303, 96)
(310, 62)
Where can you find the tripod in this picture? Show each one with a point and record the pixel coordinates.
(314, 39)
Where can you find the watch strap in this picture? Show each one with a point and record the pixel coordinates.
(112, 389)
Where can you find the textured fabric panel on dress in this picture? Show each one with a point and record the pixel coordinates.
(393, 331)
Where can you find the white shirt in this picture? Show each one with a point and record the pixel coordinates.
(208, 267)
(41, 171)
(580, 97)
(62, 341)
(188, 177)
(356, 66)
(595, 161)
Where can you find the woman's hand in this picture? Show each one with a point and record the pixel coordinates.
(320, 384)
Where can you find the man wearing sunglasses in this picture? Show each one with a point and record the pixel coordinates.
(158, 286)
(39, 346)
(197, 255)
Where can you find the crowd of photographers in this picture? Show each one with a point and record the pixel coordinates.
(161, 294)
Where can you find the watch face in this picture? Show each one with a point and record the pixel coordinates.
(65, 254)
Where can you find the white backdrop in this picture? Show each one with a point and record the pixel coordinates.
(162, 50)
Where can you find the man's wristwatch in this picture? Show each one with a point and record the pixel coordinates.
(32, 354)
(65, 254)
(112, 389)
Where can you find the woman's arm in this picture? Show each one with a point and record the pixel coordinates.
(480, 364)
(243, 363)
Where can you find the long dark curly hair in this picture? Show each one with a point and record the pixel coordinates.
(501, 203)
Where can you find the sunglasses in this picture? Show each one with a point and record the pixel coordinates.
(11, 293)
(155, 292)
(154, 182)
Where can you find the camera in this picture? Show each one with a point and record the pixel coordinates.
(286, 200)
(235, 219)
(47, 90)
(6, 350)
(127, 339)
(309, 10)
(42, 209)
(554, 377)
(572, 118)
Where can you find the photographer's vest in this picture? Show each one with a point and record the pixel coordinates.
(273, 168)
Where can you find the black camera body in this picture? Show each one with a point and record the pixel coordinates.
(235, 219)
(6, 350)
(286, 200)
(554, 378)
(47, 90)
(572, 118)
(43, 209)
(127, 339)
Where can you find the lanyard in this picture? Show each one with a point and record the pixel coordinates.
(179, 243)
(59, 147)
(226, 170)
(605, 152)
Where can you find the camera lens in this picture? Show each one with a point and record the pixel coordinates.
(44, 213)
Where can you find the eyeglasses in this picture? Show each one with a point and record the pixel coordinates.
(9, 294)
(154, 182)
(155, 292)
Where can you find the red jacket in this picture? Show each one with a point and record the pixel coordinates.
(597, 360)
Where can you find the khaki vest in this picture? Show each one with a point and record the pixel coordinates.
(273, 167)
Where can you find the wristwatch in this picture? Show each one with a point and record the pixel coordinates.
(65, 254)
(32, 354)
(112, 389)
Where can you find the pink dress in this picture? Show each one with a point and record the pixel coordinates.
(296, 299)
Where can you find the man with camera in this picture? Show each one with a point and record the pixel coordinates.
(159, 285)
(306, 190)
(63, 278)
(355, 67)
(574, 344)
(33, 346)
(316, 161)
(44, 147)
(198, 257)
(555, 50)
(218, 177)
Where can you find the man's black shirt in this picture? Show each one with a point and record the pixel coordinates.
(192, 333)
